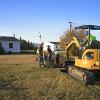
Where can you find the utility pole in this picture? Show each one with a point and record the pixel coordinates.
(89, 36)
(70, 23)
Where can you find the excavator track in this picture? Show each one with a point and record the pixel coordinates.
(84, 76)
(92, 87)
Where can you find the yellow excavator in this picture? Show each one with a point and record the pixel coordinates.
(87, 67)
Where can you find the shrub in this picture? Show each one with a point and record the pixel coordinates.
(1, 50)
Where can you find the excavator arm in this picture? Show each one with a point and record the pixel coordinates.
(73, 41)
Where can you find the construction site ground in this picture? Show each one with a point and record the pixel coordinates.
(21, 78)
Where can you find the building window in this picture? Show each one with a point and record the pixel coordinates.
(10, 45)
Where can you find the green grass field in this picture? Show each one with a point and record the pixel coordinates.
(22, 79)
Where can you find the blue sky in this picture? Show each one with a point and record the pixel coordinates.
(26, 18)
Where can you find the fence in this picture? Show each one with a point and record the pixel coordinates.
(27, 51)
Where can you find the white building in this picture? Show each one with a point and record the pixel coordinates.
(53, 45)
(10, 44)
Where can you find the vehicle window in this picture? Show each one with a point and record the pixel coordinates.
(89, 55)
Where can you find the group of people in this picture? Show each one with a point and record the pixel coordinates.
(42, 57)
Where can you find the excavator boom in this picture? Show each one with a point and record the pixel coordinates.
(73, 41)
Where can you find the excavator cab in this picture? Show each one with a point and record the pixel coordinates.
(90, 60)
(89, 27)
(91, 57)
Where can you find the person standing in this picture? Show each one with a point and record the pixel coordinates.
(40, 52)
(49, 53)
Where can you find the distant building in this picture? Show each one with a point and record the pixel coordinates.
(53, 45)
(10, 44)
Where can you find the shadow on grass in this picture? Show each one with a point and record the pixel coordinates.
(63, 70)
(13, 88)
(7, 85)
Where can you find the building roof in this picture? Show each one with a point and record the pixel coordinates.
(6, 38)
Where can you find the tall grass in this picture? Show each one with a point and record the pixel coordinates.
(22, 79)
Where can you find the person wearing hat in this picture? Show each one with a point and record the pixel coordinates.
(40, 52)
(49, 53)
